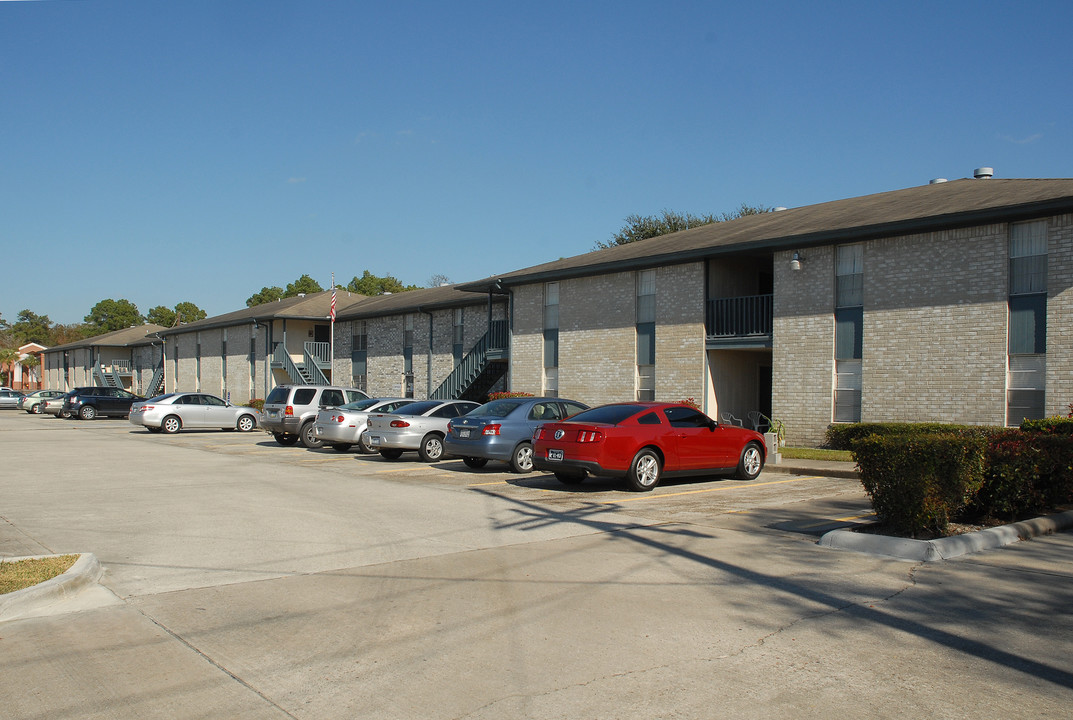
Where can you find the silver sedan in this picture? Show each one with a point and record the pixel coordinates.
(419, 426)
(54, 407)
(172, 412)
(342, 427)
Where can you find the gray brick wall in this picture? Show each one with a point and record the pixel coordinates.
(1060, 315)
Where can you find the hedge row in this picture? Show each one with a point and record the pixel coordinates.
(921, 477)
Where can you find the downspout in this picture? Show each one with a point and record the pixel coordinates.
(428, 361)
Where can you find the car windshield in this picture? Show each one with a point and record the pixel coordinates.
(608, 414)
(418, 408)
(496, 409)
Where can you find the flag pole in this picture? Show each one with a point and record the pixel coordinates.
(331, 344)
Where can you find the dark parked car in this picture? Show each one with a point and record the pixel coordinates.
(86, 403)
(645, 441)
(503, 430)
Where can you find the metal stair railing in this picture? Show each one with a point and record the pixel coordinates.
(100, 378)
(281, 357)
(156, 383)
(473, 364)
(312, 364)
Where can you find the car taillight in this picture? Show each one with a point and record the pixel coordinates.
(289, 411)
(450, 427)
(339, 419)
(399, 423)
(491, 429)
(589, 436)
(538, 434)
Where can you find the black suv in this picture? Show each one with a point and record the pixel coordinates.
(89, 402)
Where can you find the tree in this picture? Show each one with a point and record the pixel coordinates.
(184, 312)
(437, 280)
(304, 285)
(31, 327)
(649, 226)
(8, 358)
(266, 295)
(63, 334)
(109, 315)
(369, 284)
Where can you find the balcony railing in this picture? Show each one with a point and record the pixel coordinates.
(739, 317)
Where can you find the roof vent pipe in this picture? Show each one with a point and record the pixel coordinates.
(983, 173)
(780, 208)
(936, 181)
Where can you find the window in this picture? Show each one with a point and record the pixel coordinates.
(197, 363)
(686, 417)
(458, 336)
(646, 335)
(223, 362)
(551, 339)
(1027, 329)
(253, 364)
(359, 355)
(849, 326)
(408, 355)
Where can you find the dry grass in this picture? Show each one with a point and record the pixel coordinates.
(27, 573)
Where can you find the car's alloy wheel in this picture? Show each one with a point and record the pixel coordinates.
(431, 448)
(308, 433)
(363, 444)
(246, 423)
(36, 409)
(88, 412)
(751, 462)
(522, 459)
(171, 424)
(644, 470)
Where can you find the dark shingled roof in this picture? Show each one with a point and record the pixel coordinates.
(926, 208)
(314, 306)
(127, 337)
(445, 296)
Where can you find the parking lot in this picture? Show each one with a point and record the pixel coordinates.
(246, 579)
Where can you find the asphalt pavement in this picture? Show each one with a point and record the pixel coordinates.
(241, 579)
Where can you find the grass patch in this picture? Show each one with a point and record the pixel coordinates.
(798, 453)
(27, 573)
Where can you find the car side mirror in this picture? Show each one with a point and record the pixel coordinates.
(712, 425)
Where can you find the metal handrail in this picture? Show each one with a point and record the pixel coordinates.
(473, 363)
(740, 316)
(312, 366)
(283, 358)
(319, 351)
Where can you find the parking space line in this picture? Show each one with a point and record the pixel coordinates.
(709, 490)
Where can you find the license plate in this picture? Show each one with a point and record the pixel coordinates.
(463, 433)
(273, 413)
(374, 439)
(555, 454)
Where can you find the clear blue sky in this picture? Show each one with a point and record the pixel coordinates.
(163, 151)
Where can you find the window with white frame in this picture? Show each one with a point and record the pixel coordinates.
(646, 335)
(1027, 328)
(551, 339)
(849, 326)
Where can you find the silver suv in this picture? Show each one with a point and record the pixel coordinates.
(289, 410)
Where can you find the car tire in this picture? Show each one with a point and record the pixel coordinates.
(363, 445)
(521, 460)
(570, 478)
(36, 409)
(391, 453)
(246, 423)
(644, 470)
(308, 434)
(751, 462)
(63, 414)
(475, 463)
(88, 412)
(171, 425)
(285, 439)
(341, 447)
(431, 448)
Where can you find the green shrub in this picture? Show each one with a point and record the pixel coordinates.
(1026, 473)
(257, 404)
(917, 482)
(501, 395)
(843, 435)
(1051, 426)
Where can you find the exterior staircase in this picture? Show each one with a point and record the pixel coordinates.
(480, 369)
(308, 372)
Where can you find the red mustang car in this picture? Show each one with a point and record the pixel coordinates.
(644, 441)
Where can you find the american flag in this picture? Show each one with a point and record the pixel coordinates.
(333, 304)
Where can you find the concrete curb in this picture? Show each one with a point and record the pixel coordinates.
(83, 574)
(825, 469)
(948, 547)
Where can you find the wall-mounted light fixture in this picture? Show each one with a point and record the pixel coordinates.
(796, 260)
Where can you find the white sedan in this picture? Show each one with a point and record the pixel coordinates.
(172, 412)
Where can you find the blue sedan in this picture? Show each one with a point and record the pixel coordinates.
(503, 430)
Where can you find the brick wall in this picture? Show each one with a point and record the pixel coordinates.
(1059, 314)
